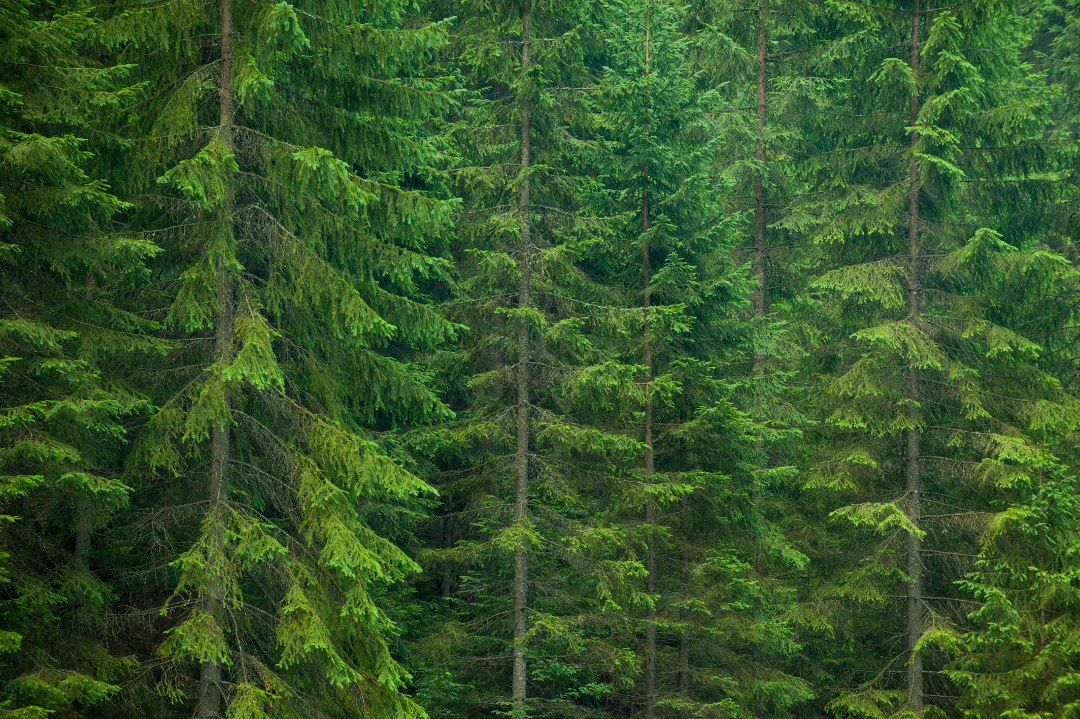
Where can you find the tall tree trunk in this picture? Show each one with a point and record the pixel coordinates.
(83, 508)
(759, 183)
(83, 513)
(82, 531)
(210, 689)
(447, 583)
(759, 222)
(447, 542)
(1042, 595)
(684, 594)
(83, 526)
(913, 600)
(521, 557)
(650, 502)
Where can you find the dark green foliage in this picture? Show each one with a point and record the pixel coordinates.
(62, 332)
(713, 601)
(640, 359)
(553, 237)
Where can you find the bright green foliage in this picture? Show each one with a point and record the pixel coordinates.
(1020, 659)
(295, 281)
(975, 112)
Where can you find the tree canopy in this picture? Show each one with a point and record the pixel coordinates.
(627, 359)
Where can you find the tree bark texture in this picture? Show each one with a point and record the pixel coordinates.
(759, 216)
(913, 599)
(210, 688)
(521, 557)
(684, 611)
(650, 502)
(759, 183)
(83, 522)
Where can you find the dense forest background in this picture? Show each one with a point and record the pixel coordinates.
(539, 358)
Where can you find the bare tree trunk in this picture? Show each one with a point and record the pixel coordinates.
(82, 532)
(650, 502)
(1042, 600)
(1042, 595)
(447, 542)
(83, 526)
(210, 689)
(521, 557)
(83, 513)
(913, 601)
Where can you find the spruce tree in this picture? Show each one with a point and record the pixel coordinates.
(524, 568)
(295, 201)
(63, 334)
(709, 616)
(919, 264)
(1019, 659)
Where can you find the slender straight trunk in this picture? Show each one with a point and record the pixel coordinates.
(650, 503)
(1042, 599)
(684, 576)
(447, 542)
(759, 184)
(521, 557)
(82, 532)
(83, 525)
(737, 81)
(1042, 594)
(210, 689)
(913, 600)
(83, 515)
(759, 223)
(684, 611)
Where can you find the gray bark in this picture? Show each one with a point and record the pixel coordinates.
(759, 184)
(521, 557)
(210, 688)
(650, 503)
(913, 600)
(684, 611)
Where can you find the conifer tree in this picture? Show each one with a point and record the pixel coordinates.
(295, 211)
(919, 336)
(525, 464)
(1019, 659)
(702, 457)
(64, 403)
(740, 380)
